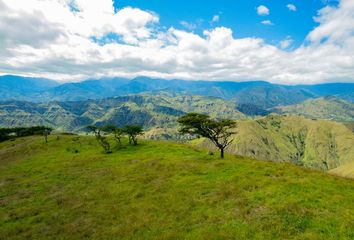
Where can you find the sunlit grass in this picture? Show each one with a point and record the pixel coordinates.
(163, 190)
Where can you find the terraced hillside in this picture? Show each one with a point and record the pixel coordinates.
(163, 190)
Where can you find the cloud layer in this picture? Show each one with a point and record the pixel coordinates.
(75, 39)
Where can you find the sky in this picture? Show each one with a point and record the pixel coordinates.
(281, 41)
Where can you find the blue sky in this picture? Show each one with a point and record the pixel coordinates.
(239, 15)
(281, 41)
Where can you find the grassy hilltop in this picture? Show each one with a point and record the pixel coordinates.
(163, 190)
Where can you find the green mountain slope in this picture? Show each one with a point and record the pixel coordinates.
(322, 108)
(147, 110)
(268, 96)
(162, 190)
(318, 144)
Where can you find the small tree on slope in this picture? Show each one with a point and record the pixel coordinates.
(95, 130)
(116, 131)
(133, 132)
(218, 132)
(101, 139)
(46, 133)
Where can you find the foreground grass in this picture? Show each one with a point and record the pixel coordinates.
(161, 190)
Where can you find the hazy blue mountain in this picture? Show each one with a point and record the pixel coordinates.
(330, 88)
(272, 95)
(24, 88)
(340, 90)
(259, 94)
(90, 89)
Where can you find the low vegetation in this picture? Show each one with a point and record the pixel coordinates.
(132, 131)
(11, 133)
(162, 190)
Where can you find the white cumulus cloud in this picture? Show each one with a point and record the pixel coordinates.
(291, 7)
(76, 39)
(262, 10)
(215, 19)
(267, 22)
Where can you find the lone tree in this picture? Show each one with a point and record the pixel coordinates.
(201, 125)
(116, 131)
(133, 131)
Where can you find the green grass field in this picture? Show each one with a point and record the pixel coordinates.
(163, 190)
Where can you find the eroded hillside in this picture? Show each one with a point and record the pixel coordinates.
(315, 144)
(146, 110)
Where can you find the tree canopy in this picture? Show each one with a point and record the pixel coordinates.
(217, 131)
(116, 131)
(133, 131)
(7, 133)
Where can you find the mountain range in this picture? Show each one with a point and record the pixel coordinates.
(295, 126)
(150, 111)
(258, 93)
(313, 143)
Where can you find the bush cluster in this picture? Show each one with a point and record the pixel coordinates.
(132, 131)
(10, 133)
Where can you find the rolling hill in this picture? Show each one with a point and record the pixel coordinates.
(330, 108)
(317, 144)
(163, 190)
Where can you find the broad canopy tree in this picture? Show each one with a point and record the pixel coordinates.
(217, 131)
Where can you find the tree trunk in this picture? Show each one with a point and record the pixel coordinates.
(221, 152)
